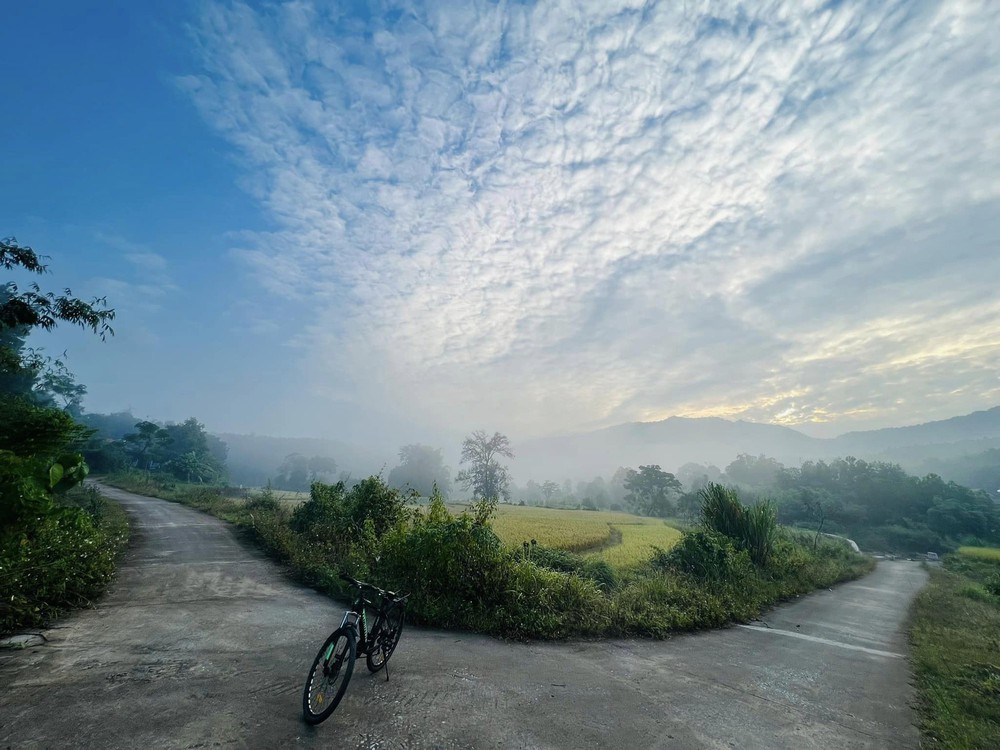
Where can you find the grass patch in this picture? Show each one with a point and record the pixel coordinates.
(64, 561)
(462, 573)
(956, 651)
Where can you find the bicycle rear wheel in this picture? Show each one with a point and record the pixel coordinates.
(328, 677)
(386, 640)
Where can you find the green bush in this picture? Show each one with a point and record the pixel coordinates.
(706, 555)
(64, 559)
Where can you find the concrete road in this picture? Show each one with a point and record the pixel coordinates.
(203, 643)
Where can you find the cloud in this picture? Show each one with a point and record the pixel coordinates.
(145, 281)
(542, 218)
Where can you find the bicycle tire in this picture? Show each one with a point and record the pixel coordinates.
(317, 705)
(391, 629)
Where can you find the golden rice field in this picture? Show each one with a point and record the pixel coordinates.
(991, 554)
(583, 530)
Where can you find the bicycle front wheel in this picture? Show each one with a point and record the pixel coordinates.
(328, 677)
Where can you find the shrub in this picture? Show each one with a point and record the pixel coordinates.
(754, 528)
(64, 559)
(324, 515)
(993, 584)
(706, 555)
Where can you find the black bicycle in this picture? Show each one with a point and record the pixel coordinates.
(334, 664)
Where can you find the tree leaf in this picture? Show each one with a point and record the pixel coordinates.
(55, 474)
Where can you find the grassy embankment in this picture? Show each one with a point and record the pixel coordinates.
(956, 651)
(63, 562)
(471, 573)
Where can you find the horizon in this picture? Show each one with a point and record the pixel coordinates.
(393, 225)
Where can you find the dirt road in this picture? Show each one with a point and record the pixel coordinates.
(203, 643)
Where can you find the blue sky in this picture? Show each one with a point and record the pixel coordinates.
(407, 220)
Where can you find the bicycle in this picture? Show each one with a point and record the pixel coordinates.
(334, 664)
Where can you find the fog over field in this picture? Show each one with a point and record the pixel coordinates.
(386, 225)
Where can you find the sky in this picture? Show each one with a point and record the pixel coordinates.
(405, 221)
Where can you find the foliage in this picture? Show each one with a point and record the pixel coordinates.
(650, 491)
(753, 528)
(749, 471)
(421, 468)
(27, 429)
(297, 472)
(336, 517)
(708, 555)
(486, 476)
(53, 554)
(956, 654)
(25, 372)
(882, 507)
(64, 559)
(184, 450)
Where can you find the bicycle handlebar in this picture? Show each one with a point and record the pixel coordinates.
(362, 585)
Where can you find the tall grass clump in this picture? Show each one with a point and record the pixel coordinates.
(753, 528)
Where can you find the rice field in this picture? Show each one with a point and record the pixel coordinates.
(990, 554)
(586, 532)
(639, 541)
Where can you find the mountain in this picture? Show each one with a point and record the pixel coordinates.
(670, 443)
(962, 448)
(976, 426)
(675, 441)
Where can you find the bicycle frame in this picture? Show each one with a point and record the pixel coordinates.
(357, 619)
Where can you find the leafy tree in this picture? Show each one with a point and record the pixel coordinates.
(486, 476)
(421, 468)
(22, 311)
(293, 474)
(548, 489)
(694, 476)
(146, 443)
(35, 439)
(650, 491)
(595, 490)
(616, 487)
(191, 466)
(321, 467)
(754, 471)
(532, 492)
(184, 450)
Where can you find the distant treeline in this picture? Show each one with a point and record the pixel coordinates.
(876, 503)
(185, 451)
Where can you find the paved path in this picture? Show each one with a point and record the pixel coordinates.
(202, 643)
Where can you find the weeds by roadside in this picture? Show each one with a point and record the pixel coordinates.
(65, 560)
(956, 652)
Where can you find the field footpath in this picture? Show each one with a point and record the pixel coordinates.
(203, 642)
